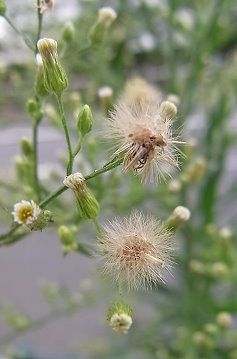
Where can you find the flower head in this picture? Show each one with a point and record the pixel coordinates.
(26, 212)
(135, 251)
(144, 138)
(106, 16)
(120, 317)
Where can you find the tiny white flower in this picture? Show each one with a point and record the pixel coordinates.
(120, 322)
(26, 212)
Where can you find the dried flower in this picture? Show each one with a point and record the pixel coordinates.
(46, 5)
(26, 212)
(120, 317)
(144, 139)
(135, 250)
(55, 79)
(87, 203)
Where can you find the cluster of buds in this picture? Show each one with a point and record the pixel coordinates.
(87, 203)
(55, 79)
(30, 214)
(106, 16)
(120, 317)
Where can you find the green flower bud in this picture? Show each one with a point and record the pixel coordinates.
(68, 32)
(87, 203)
(120, 317)
(106, 16)
(26, 147)
(84, 123)
(39, 81)
(168, 110)
(16, 320)
(42, 220)
(67, 239)
(55, 79)
(3, 7)
(178, 216)
(34, 109)
(202, 341)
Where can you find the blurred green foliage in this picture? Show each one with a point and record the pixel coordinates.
(186, 48)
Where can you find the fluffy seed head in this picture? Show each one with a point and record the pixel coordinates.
(26, 212)
(144, 139)
(135, 251)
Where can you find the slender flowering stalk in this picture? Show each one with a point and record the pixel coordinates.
(135, 251)
(144, 138)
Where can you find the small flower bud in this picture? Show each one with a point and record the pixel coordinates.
(26, 147)
(3, 7)
(68, 32)
(211, 328)
(174, 99)
(87, 203)
(202, 341)
(174, 186)
(84, 123)
(180, 215)
(195, 171)
(224, 320)
(225, 234)
(197, 267)
(55, 78)
(105, 95)
(219, 270)
(45, 217)
(106, 16)
(16, 320)
(120, 317)
(34, 109)
(67, 238)
(168, 110)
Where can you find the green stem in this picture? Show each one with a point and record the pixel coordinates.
(35, 159)
(64, 123)
(97, 226)
(78, 146)
(18, 32)
(40, 22)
